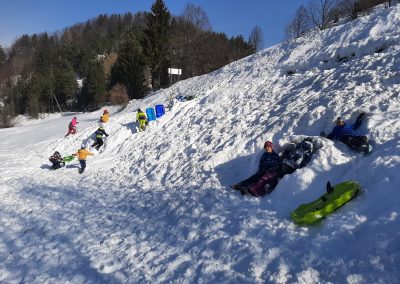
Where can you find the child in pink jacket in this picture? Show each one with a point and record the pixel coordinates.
(72, 126)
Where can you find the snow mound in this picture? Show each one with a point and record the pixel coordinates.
(156, 206)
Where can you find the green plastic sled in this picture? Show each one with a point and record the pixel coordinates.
(68, 158)
(307, 214)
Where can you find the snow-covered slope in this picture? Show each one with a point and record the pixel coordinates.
(155, 206)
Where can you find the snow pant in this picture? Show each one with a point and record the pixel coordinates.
(287, 169)
(99, 142)
(142, 125)
(260, 184)
(56, 165)
(265, 184)
(83, 165)
(358, 143)
(71, 130)
(247, 182)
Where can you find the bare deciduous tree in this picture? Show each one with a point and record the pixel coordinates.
(321, 12)
(119, 95)
(256, 38)
(108, 63)
(196, 16)
(300, 23)
(349, 7)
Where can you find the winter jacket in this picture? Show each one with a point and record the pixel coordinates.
(141, 116)
(73, 123)
(269, 162)
(82, 154)
(339, 132)
(299, 156)
(56, 157)
(105, 117)
(100, 132)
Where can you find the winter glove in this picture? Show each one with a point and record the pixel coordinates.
(107, 135)
(361, 116)
(322, 134)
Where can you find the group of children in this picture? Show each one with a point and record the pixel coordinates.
(272, 167)
(58, 161)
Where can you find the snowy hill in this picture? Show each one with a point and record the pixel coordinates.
(155, 207)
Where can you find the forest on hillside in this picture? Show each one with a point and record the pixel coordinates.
(115, 58)
(111, 59)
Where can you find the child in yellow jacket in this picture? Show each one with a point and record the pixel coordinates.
(82, 154)
(141, 120)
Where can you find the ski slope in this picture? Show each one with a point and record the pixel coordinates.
(155, 207)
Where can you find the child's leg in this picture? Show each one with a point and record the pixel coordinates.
(249, 181)
(83, 164)
(99, 143)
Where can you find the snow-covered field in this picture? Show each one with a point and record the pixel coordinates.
(155, 207)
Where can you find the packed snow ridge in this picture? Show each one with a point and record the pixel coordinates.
(155, 206)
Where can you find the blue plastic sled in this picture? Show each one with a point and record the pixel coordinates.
(150, 114)
(160, 110)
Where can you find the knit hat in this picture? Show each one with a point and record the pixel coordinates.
(269, 144)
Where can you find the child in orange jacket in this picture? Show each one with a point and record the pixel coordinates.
(105, 117)
(82, 154)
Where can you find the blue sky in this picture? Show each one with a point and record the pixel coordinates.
(233, 17)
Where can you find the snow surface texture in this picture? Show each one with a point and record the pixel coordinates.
(156, 206)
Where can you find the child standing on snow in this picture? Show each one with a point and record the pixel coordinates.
(99, 137)
(141, 120)
(82, 154)
(72, 126)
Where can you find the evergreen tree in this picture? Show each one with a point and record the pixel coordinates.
(40, 94)
(3, 56)
(94, 86)
(156, 43)
(44, 54)
(129, 68)
(64, 81)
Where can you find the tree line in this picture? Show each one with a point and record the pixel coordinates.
(322, 14)
(111, 58)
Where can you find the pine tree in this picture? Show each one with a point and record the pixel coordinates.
(64, 82)
(129, 68)
(40, 94)
(94, 86)
(3, 56)
(156, 43)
